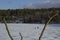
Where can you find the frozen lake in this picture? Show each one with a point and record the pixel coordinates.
(30, 31)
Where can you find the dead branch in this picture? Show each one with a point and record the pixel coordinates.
(46, 26)
(21, 36)
(7, 29)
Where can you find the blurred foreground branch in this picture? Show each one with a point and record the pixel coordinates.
(7, 29)
(21, 36)
(46, 26)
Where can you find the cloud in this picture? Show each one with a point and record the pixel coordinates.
(44, 4)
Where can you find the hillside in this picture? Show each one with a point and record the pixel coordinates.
(30, 15)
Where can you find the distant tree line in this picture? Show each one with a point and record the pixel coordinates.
(30, 15)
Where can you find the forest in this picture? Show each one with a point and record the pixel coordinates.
(30, 15)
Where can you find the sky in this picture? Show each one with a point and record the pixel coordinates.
(20, 4)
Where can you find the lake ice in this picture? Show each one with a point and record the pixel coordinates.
(30, 31)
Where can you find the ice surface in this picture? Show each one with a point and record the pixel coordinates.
(30, 31)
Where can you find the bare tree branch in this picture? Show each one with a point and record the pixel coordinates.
(21, 36)
(46, 26)
(7, 29)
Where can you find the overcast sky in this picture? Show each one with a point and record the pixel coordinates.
(15, 4)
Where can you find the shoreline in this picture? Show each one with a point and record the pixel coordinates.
(29, 23)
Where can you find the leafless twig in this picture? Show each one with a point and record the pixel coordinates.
(46, 26)
(21, 36)
(7, 29)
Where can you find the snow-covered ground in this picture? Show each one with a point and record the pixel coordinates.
(30, 31)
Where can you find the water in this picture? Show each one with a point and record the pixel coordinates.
(30, 31)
